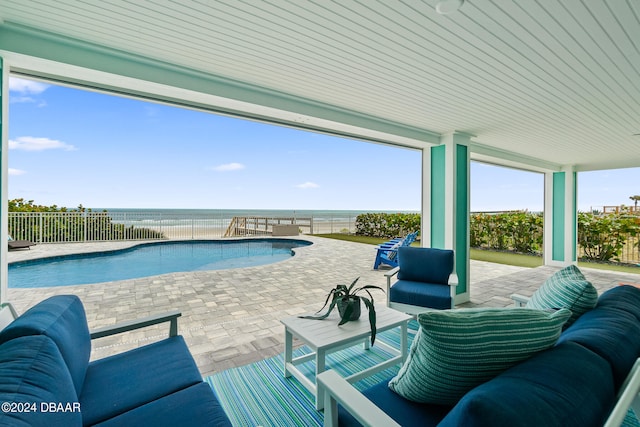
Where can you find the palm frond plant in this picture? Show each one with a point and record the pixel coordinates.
(348, 303)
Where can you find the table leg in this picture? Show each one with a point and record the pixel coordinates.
(367, 343)
(288, 351)
(320, 368)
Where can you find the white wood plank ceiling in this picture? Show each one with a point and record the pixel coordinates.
(556, 80)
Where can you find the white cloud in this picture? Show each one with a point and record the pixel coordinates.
(228, 167)
(30, 143)
(21, 99)
(26, 86)
(16, 172)
(27, 100)
(307, 185)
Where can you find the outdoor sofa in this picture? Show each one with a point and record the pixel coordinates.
(574, 382)
(46, 378)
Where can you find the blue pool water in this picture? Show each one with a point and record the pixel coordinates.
(149, 260)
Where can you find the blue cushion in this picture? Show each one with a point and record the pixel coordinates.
(610, 332)
(425, 264)
(33, 371)
(626, 298)
(122, 382)
(421, 294)
(565, 386)
(61, 318)
(193, 406)
(403, 411)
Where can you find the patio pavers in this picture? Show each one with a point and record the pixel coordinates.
(231, 317)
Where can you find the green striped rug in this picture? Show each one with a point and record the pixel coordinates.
(259, 395)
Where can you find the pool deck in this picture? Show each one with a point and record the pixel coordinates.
(231, 317)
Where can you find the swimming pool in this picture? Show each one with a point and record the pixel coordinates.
(149, 259)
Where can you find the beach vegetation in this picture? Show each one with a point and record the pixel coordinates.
(387, 225)
(518, 231)
(603, 237)
(60, 224)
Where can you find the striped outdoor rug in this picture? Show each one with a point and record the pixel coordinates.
(259, 395)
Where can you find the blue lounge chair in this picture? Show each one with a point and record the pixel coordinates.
(388, 254)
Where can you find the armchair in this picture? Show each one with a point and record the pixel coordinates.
(425, 280)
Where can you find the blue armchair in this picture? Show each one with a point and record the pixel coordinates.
(425, 280)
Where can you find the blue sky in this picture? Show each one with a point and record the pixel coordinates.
(70, 147)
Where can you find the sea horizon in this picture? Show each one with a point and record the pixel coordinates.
(317, 214)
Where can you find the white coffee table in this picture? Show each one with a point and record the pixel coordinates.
(325, 336)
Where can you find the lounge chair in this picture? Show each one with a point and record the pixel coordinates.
(19, 244)
(388, 253)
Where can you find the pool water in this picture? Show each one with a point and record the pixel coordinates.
(149, 259)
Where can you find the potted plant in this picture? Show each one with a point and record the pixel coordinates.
(348, 303)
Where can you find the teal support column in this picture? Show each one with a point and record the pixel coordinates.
(4, 173)
(445, 204)
(560, 218)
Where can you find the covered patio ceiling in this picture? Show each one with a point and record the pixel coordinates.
(538, 83)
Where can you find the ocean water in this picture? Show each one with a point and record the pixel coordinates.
(224, 216)
(213, 223)
(230, 213)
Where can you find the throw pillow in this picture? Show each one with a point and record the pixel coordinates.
(457, 350)
(567, 288)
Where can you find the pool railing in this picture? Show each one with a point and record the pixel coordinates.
(76, 226)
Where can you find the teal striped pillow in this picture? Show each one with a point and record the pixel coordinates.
(457, 350)
(567, 288)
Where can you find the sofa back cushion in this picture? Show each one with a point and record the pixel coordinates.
(625, 298)
(567, 288)
(611, 330)
(427, 265)
(61, 318)
(34, 375)
(565, 386)
(457, 350)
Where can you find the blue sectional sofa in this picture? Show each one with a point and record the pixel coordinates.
(46, 378)
(573, 383)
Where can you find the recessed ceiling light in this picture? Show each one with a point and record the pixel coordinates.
(445, 7)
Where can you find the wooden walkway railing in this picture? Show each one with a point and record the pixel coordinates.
(263, 226)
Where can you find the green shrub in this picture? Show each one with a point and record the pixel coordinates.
(516, 231)
(602, 237)
(387, 225)
(44, 224)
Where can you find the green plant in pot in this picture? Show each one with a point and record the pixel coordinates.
(348, 301)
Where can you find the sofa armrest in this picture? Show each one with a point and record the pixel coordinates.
(453, 287)
(338, 390)
(519, 300)
(7, 315)
(389, 275)
(628, 398)
(130, 325)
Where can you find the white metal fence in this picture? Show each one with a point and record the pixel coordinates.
(67, 227)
